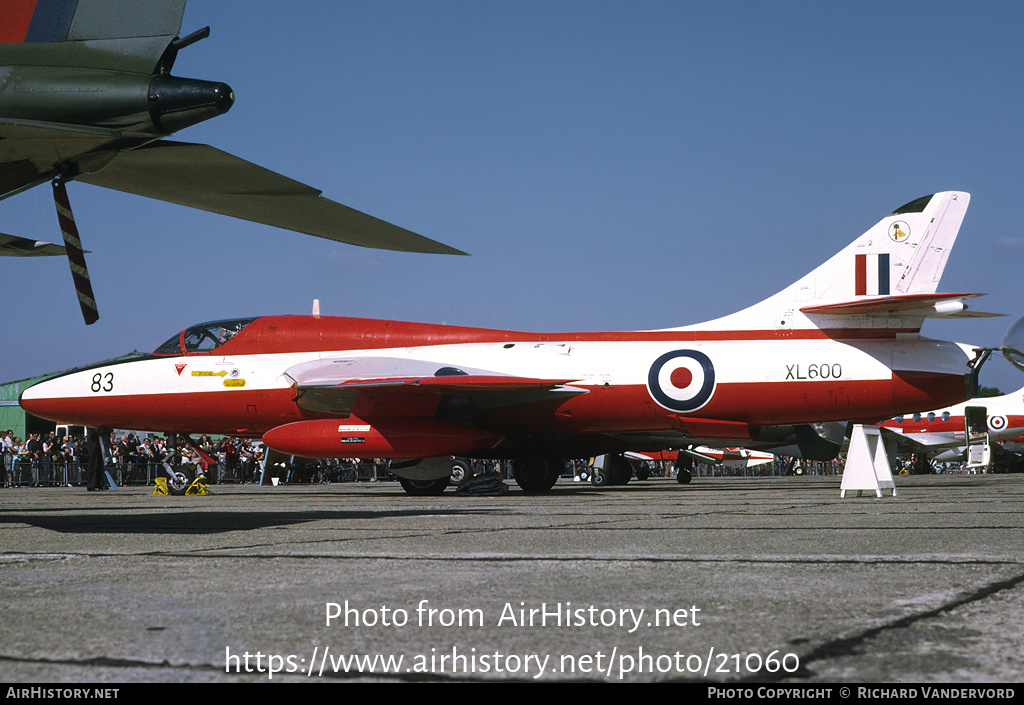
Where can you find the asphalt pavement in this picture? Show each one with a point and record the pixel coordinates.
(726, 580)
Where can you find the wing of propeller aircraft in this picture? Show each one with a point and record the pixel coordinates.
(86, 94)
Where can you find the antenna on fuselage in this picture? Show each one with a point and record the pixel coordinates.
(316, 308)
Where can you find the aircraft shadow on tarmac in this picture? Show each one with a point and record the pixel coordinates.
(103, 522)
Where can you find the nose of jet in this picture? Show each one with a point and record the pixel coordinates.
(1013, 344)
(40, 400)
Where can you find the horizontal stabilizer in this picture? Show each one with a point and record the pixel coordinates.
(925, 305)
(200, 176)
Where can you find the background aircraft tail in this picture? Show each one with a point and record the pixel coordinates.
(887, 278)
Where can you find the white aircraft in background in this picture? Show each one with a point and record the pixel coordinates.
(942, 435)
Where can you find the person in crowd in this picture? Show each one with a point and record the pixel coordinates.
(123, 458)
(94, 451)
(22, 460)
(34, 444)
(7, 457)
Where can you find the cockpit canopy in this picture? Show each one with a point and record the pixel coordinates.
(203, 337)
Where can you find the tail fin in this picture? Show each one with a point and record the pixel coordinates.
(35, 21)
(904, 254)
(887, 278)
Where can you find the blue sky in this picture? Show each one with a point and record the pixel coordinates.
(608, 166)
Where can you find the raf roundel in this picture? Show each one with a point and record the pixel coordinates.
(682, 380)
(996, 423)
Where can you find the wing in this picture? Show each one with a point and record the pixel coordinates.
(809, 441)
(338, 386)
(921, 442)
(32, 150)
(206, 178)
(83, 20)
(14, 246)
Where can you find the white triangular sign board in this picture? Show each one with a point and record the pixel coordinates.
(867, 463)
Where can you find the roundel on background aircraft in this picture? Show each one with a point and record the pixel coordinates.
(996, 423)
(682, 380)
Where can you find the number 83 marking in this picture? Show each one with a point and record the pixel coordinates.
(102, 382)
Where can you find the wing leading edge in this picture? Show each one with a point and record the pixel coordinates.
(203, 177)
(337, 386)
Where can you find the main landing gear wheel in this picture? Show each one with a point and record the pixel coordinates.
(537, 474)
(424, 488)
(684, 467)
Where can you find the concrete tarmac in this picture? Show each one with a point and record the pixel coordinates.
(730, 580)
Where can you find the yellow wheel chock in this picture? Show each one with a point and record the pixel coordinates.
(198, 486)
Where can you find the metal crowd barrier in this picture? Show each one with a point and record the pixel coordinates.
(20, 472)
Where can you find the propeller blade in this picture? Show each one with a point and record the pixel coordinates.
(76, 255)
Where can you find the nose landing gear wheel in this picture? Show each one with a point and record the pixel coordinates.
(460, 471)
(178, 480)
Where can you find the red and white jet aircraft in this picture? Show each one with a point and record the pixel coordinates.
(841, 343)
(941, 435)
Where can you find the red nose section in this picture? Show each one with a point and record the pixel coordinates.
(81, 411)
(46, 401)
(354, 438)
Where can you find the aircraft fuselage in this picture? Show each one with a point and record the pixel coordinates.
(705, 383)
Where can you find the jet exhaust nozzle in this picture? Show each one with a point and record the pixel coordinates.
(94, 97)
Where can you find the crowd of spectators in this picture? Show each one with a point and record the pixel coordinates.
(56, 460)
(53, 460)
(61, 460)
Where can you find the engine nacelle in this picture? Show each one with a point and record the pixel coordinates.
(389, 438)
(1013, 345)
(177, 103)
(101, 98)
